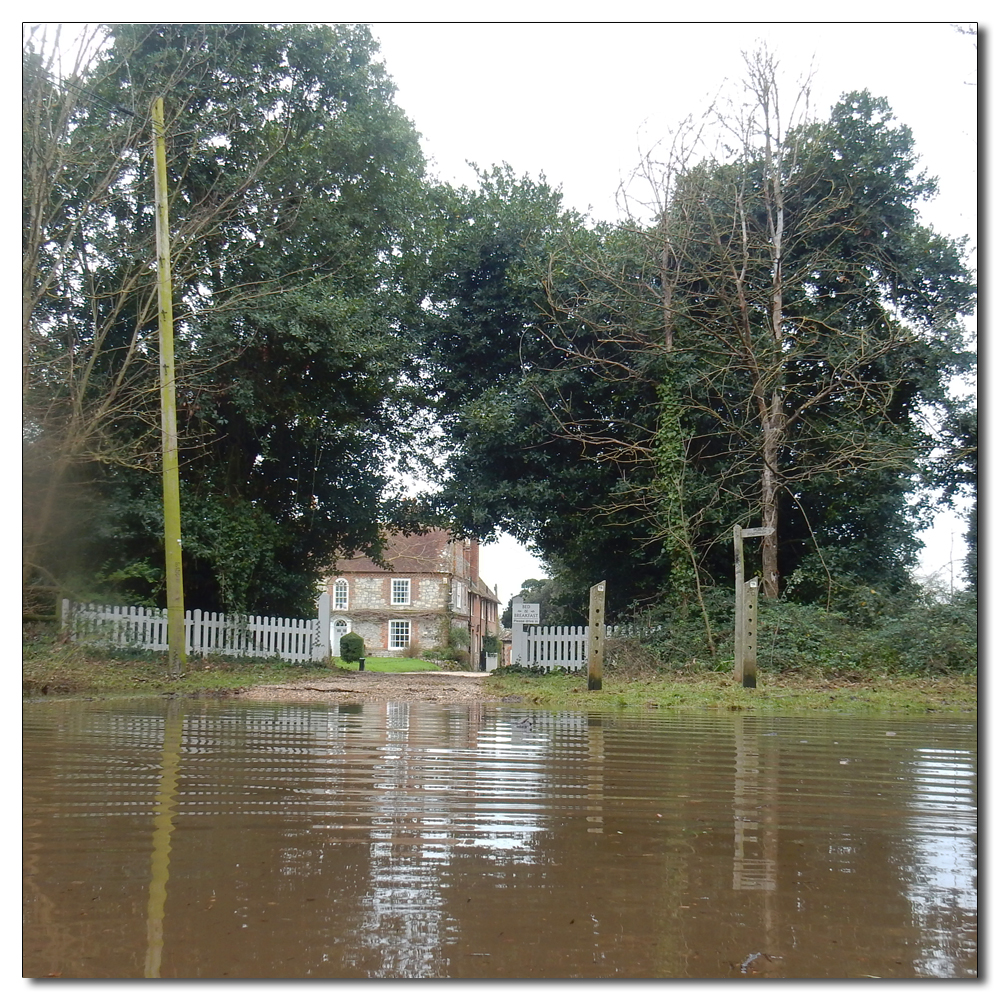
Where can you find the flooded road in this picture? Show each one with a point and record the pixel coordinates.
(255, 840)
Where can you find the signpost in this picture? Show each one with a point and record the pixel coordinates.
(745, 632)
(521, 615)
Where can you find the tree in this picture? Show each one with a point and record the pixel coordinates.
(956, 473)
(295, 184)
(803, 313)
(491, 364)
(759, 346)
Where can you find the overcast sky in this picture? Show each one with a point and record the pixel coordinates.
(579, 103)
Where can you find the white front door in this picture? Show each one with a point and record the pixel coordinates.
(339, 627)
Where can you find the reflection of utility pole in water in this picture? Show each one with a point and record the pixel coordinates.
(755, 852)
(163, 827)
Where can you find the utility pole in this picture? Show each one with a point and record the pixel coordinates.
(168, 405)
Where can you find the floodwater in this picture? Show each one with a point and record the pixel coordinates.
(257, 840)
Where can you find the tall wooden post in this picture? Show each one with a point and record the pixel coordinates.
(168, 405)
(739, 605)
(595, 637)
(750, 635)
(745, 631)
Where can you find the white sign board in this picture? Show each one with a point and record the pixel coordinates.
(524, 614)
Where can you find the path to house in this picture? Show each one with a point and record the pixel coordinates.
(443, 687)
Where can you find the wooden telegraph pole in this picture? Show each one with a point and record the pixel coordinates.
(745, 631)
(595, 638)
(168, 405)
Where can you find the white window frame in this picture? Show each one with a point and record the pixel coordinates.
(394, 641)
(393, 600)
(341, 594)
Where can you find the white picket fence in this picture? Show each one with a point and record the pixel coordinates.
(550, 647)
(297, 640)
(562, 646)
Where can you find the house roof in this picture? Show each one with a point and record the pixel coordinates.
(426, 553)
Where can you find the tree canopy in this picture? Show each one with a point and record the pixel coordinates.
(760, 348)
(295, 185)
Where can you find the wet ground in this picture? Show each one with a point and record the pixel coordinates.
(416, 840)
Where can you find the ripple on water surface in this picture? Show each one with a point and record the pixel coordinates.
(414, 840)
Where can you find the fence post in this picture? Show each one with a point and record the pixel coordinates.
(595, 643)
(321, 650)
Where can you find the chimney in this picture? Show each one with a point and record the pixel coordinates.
(474, 560)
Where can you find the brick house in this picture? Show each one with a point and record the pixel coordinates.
(432, 585)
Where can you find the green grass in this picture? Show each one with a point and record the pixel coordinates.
(54, 668)
(388, 664)
(775, 694)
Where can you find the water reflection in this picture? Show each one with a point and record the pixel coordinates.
(163, 826)
(418, 841)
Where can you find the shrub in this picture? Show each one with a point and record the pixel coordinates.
(459, 637)
(352, 647)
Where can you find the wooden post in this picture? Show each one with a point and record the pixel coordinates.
(739, 605)
(745, 631)
(750, 635)
(595, 643)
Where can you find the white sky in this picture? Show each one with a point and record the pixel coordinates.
(578, 102)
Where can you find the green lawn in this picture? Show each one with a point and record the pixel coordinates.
(388, 664)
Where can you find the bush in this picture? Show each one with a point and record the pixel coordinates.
(939, 639)
(352, 647)
(909, 632)
(459, 638)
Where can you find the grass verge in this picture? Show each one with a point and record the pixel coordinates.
(775, 694)
(67, 670)
(389, 664)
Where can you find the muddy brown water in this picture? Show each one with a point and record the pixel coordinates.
(410, 840)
